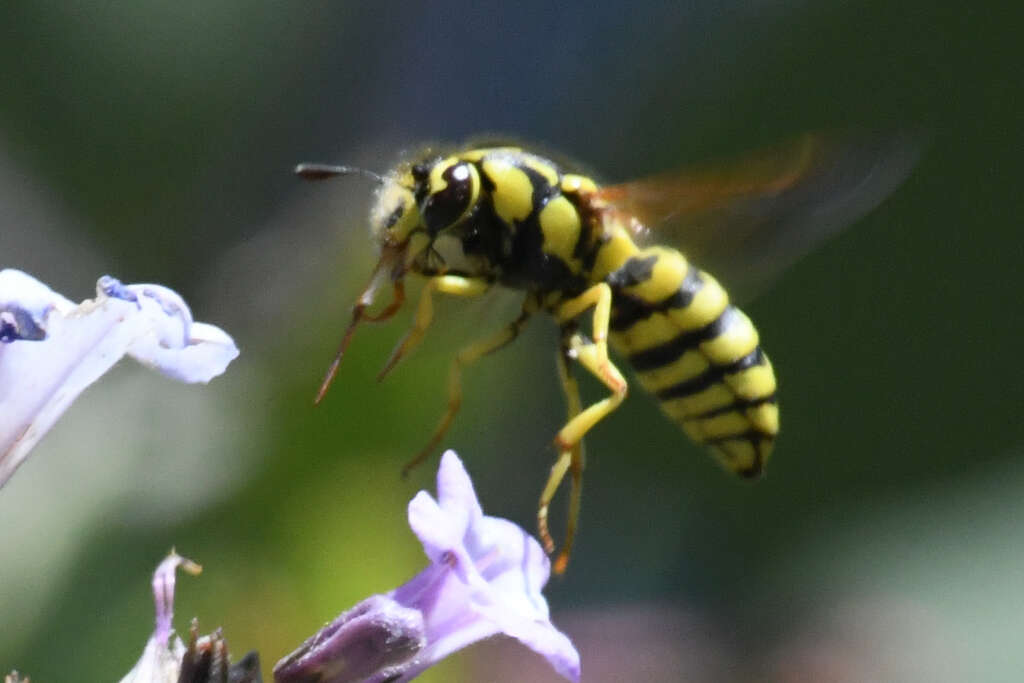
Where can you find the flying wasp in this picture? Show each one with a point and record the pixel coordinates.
(487, 217)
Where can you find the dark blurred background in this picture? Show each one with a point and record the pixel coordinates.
(154, 141)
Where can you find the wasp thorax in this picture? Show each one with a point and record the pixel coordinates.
(446, 192)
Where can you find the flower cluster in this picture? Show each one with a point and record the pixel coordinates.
(484, 576)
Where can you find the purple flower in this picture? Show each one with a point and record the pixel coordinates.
(485, 577)
(52, 349)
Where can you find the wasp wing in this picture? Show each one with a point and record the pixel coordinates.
(748, 220)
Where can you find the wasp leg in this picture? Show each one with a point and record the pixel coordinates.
(465, 357)
(456, 285)
(397, 299)
(574, 459)
(593, 355)
(359, 314)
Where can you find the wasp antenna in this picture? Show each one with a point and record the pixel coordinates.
(324, 171)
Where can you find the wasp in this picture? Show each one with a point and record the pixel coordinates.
(502, 216)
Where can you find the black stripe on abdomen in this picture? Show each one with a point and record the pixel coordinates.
(670, 351)
(739, 405)
(630, 310)
(712, 375)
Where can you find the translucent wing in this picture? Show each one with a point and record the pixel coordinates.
(747, 220)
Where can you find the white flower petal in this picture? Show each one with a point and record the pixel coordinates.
(520, 552)
(547, 641)
(25, 304)
(197, 353)
(455, 490)
(70, 347)
(433, 526)
(160, 663)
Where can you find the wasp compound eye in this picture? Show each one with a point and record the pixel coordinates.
(452, 189)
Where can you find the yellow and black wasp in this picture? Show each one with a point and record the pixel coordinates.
(502, 216)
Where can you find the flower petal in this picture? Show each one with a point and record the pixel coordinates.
(161, 660)
(448, 643)
(511, 570)
(25, 304)
(438, 531)
(159, 663)
(485, 578)
(513, 564)
(455, 492)
(539, 635)
(164, 579)
(53, 350)
(175, 346)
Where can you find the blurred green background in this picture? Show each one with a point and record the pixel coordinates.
(154, 141)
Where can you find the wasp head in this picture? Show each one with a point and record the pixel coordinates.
(412, 220)
(419, 202)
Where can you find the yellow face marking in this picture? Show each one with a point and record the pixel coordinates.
(706, 305)
(754, 382)
(395, 201)
(437, 183)
(560, 224)
(715, 396)
(572, 183)
(403, 176)
(667, 275)
(689, 365)
(736, 341)
(474, 182)
(613, 253)
(513, 191)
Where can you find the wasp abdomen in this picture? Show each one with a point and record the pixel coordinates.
(697, 353)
